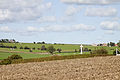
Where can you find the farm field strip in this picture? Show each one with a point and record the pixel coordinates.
(97, 68)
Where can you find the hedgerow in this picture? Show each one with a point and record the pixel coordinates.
(51, 58)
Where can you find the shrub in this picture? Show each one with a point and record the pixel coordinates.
(51, 49)
(100, 51)
(75, 50)
(58, 58)
(38, 48)
(85, 49)
(5, 62)
(15, 47)
(33, 48)
(12, 57)
(21, 47)
(59, 50)
(26, 47)
(43, 47)
(90, 50)
(30, 50)
(9, 59)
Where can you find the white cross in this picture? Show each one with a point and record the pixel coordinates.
(81, 48)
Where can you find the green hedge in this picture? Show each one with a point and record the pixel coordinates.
(58, 58)
(10, 59)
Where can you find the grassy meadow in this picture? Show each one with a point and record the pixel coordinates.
(67, 49)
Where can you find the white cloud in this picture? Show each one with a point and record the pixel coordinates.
(84, 27)
(109, 11)
(91, 2)
(71, 10)
(110, 32)
(62, 28)
(110, 25)
(31, 29)
(116, 18)
(4, 29)
(22, 10)
(47, 19)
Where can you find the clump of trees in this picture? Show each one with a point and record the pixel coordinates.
(3, 46)
(111, 44)
(41, 42)
(8, 41)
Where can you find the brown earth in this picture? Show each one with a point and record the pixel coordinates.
(97, 68)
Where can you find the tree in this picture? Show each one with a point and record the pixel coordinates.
(112, 44)
(43, 47)
(21, 47)
(118, 43)
(108, 44)
(43, 42)
(59, 50)
(51, 49)
(26, 47)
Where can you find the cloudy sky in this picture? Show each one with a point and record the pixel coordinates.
(60, 21)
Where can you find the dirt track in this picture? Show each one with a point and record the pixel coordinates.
(98, 68)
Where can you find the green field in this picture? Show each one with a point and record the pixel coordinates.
(70, 48)
(4, 55)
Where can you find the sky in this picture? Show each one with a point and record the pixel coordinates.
(60, 21)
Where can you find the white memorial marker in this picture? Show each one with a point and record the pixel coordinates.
(81, 48)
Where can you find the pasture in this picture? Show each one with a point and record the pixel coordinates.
(67, 49)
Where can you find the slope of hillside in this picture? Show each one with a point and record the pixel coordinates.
(97, 68)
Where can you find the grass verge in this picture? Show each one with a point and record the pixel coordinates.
(51, 58)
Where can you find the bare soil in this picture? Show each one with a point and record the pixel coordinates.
(97, 68)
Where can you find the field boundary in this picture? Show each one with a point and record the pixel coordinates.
(51, 58)
(24, 52)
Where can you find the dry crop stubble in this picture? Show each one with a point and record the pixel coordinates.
(97, 68)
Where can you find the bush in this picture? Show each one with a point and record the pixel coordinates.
(12, 57)
(51, 49)
(5, 62)
(75, 50)
(59, 50)
(38, 48)
(90, 50)
(33, 48)
(85, 49)
(30, 50)
(100, 51)
(58, 58)
(26, 47)
(21, 47)
(15, 47)
(43, 47)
